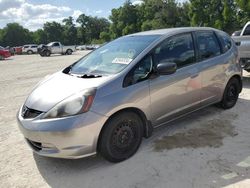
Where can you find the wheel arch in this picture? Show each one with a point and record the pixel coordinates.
(147, 126)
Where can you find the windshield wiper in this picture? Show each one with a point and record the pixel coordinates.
(89, 76)
(85, 75)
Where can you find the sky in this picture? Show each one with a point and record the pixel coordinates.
(32, 14)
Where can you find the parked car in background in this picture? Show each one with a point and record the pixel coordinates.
(108, 100)
(18, 50)
(29, 48)
(81, 47)
(243, 43)
(236, 33)
(10, 49)
(55, 48)
(4, 53)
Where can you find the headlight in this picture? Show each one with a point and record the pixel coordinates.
(73, 105)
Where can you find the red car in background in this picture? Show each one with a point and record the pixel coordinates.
(4, 53)
(18, 50)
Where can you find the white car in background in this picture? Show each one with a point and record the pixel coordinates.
(30, 48)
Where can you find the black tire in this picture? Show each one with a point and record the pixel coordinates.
(231, 94)
(29, 52)
(69, 52)
(121, 137)
(47, 53)
(1, 57)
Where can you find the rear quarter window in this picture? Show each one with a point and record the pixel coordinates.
(225, 41)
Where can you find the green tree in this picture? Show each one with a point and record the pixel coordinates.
(40, 37)
(124, 20)
(54, 31)
(220, 14)
(70, 31)
(15, 35)
(244, 11)
(91, 27)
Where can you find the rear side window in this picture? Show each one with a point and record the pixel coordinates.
(208, 45)
(225, 41)
(33, 46)
(177, 49)
(56, 44)
(247, 30)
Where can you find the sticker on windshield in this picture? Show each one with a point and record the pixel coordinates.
(124, 61)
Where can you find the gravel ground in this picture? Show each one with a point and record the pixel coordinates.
(209, 148)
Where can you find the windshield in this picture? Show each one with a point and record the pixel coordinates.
(114, 56)
(50, 44)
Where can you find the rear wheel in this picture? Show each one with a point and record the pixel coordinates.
(121, 137)
(231, 94)
(1, 57)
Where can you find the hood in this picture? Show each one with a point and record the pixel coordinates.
(58, 87)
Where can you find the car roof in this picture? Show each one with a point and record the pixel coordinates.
(173, 31)
(30, 45)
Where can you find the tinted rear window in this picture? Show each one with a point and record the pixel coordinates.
(208, 45)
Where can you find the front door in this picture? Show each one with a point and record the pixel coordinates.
(56, 48)
(178, 93)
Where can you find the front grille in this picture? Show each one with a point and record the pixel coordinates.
(28, 113)
(37, 146)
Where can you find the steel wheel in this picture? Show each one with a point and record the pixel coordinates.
(231, 94)
(121, 137)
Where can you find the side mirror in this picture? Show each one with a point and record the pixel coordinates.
(166, 68)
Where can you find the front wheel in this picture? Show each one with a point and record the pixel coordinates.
(121, 137)
(1, 57)
(29, 52)
(47, 53)
(231, 94)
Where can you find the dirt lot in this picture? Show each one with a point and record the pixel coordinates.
(209, 148)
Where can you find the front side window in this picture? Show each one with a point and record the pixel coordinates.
(225, 41)
(178, 49)
(247, 30)
(208, 45)
(56, 44)
(140, 72)
(114, 56)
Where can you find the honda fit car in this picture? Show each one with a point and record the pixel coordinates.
(110, 99)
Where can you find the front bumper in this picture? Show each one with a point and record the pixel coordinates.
(70, 137)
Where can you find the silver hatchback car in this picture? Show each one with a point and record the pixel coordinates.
(110, 99)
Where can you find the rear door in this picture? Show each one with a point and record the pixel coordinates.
(178, 93)
(212, 66)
